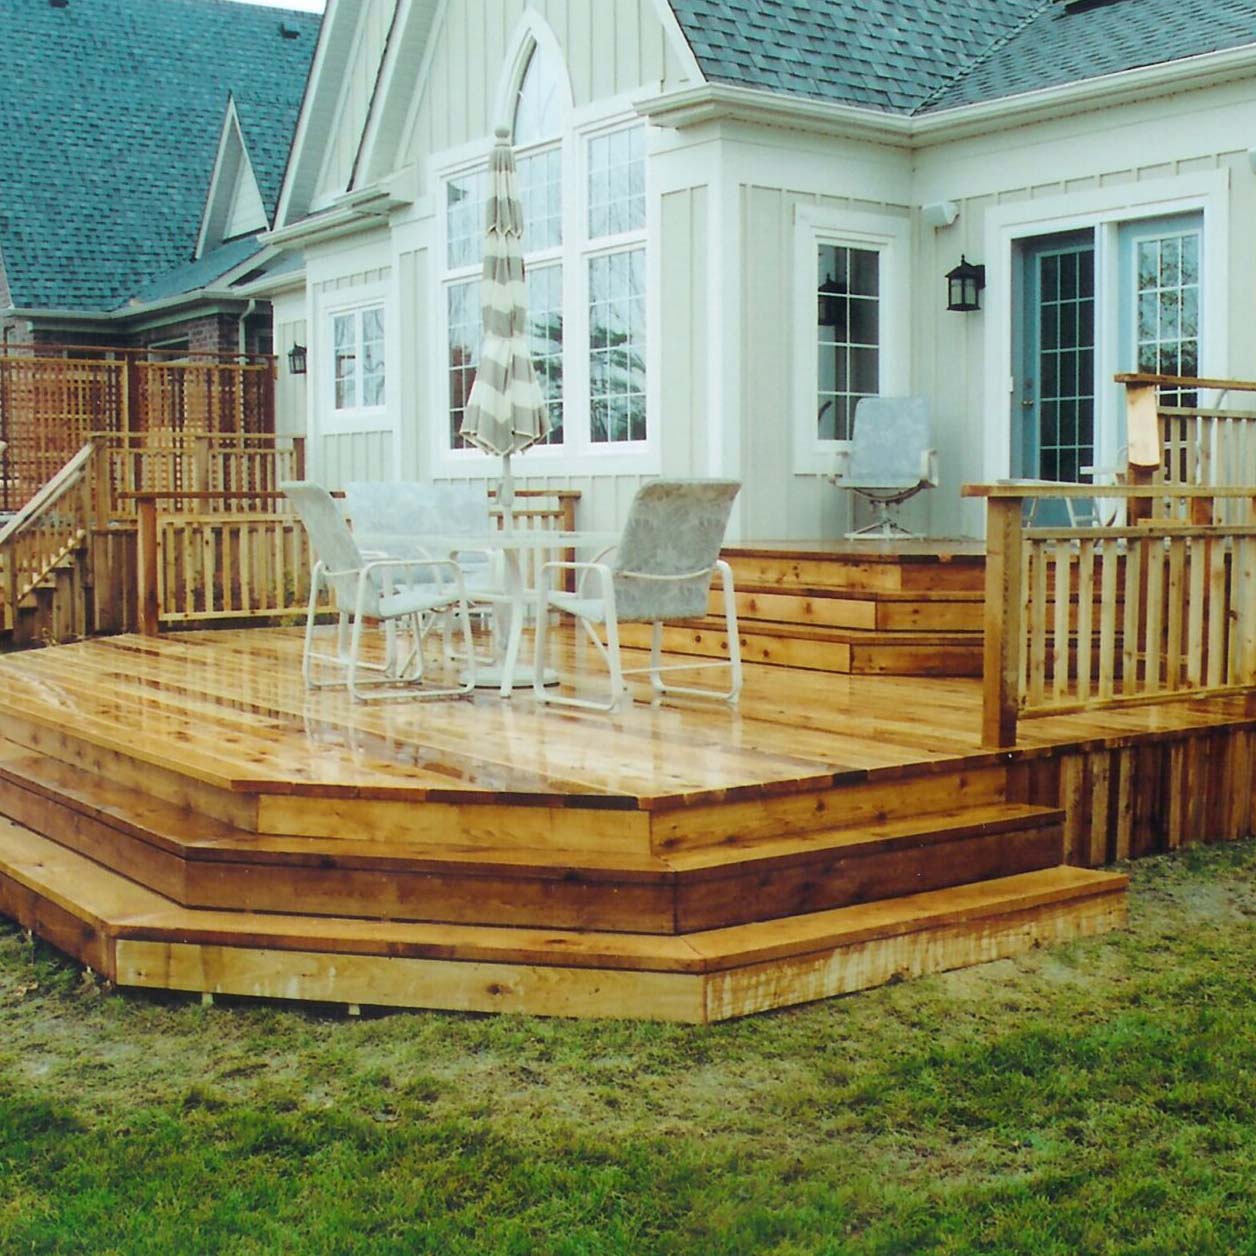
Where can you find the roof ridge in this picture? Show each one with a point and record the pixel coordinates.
(975, 63)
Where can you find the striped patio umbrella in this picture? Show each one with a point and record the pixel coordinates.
(505, 413)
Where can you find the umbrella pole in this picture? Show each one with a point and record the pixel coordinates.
(506, 494)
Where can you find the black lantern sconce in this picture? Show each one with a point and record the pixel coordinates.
(296, 360)
(832, 302)
(963, 286)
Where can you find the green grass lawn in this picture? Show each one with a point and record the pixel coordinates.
(1098, 1097)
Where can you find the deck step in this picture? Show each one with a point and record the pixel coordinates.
(847, 651)
(869, 610)
(197, 861)
(136, 937)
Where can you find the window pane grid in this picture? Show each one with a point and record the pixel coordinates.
(848, 319)
(541, 194)
(464, 352)
(617, 183)
(1167, 310)
(1066, 365)
(617, 370)
(345, 361)
(545, 331)
(466, 197)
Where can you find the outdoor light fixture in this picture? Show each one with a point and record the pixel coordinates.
(831, 296)
(963, 284)
(296, 360)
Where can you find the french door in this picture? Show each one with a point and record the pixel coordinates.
(1054, 390)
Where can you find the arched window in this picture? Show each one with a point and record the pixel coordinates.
(583, 197)
(539, 103)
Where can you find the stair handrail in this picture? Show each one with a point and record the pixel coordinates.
(16, 584)
(51, 493)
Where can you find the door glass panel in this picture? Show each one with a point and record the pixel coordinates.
(1166, 300)
(1065, 320)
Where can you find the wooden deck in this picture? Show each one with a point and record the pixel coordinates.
(179, 813)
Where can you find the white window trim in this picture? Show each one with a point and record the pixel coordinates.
(578, 454)
(890, 237)
(360, 418)
(1105, 211)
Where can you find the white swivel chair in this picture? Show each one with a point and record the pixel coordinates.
(384, 589)
(662, 571)
(891, 458)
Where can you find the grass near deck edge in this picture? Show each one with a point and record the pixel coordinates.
(1096, 1097)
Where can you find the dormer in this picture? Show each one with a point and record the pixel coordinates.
(233, 205)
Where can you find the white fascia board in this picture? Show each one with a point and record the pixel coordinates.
(355, 211)
(679, 40)
(408, 45)
(230, 125)
(322, 94)
(712, 102)
(718, 101)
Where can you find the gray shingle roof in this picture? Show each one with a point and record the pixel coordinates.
(918, 56)
(882, 54)
(1059, 47)
(191, 276)
(112, 111)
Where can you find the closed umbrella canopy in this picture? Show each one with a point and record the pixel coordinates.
(505, 413)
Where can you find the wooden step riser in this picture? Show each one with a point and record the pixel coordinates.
(115, 765)
(736, 825)
(547, 990)
(852, 612)
(837, 657)
(790, 574)
(682, 901)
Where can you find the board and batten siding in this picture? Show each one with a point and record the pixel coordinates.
(290, 328)
(359, 87)
(609, 47)
(777, 501)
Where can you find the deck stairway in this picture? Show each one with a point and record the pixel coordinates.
(159, 876)
(902, 609)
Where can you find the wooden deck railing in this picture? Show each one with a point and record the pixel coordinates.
(1177, 445)
(53, 398)
(244, 471)
(227, 563)
(1085, 618)
(45, 533)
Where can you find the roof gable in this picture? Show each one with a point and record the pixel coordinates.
(234, 205)
(113, 111)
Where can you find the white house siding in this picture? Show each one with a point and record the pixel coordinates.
(610, 47)
(288, 310)
(359, 86)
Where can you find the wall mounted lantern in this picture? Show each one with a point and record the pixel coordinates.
(963, 284)
(296, 360)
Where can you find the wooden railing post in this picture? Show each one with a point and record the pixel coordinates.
(146, 566)
(1004, 632)
(298, 458)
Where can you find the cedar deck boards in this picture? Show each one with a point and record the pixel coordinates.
(214, 827)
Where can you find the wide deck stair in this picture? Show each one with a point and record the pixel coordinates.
(689, 909)
(871, 608)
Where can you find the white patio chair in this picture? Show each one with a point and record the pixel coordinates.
(399, 518)
(662, 572)
(385, 589)
(891, 458)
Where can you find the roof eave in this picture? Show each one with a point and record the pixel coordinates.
(722, 102)
(1208, 69)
